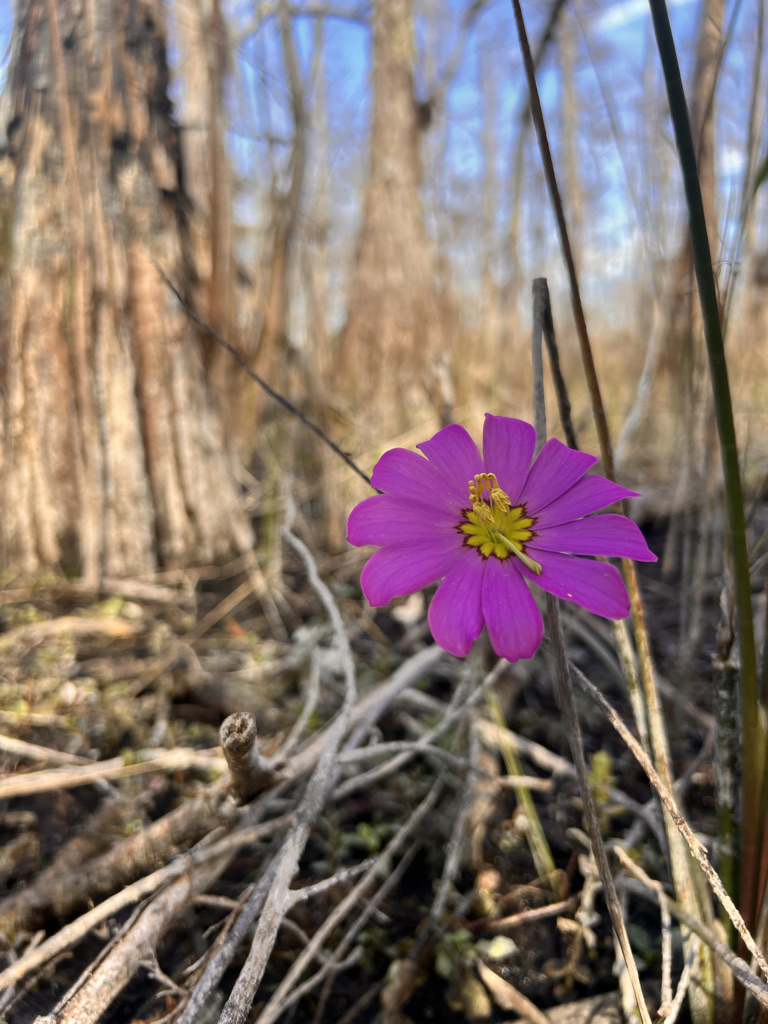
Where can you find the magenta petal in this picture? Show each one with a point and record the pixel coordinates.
(408, 475)
(557, 467)
(403, 568)
(455, 454)
(456, 614)
(588, 495)
(510, 612)
(508, 447)
(610, 535)
(596, 586)
(384, 519)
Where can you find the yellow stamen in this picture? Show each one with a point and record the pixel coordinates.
(493, 526)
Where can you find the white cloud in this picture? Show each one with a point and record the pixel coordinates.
(626, 11)
(730, 160)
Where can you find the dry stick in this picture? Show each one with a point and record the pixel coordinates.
(251, 773)
(178, 759)
(8, 995)
(551, 762)
(74, 625)
(311, 697)
(565, 244)
(130, 859)
(368, 708)
(201, 995)
(423, 745)
(34, 752)
(374, 702)
(565, 692)
(491, 925)
(544, 326)
(371, 905)
(460, 835)
(279, 900)
(116, 970)
(277, 903)
(331, 968)
(355, 1012)
(738, 967)
(682, 990)
(675, 1007)
(72, 933)
(670, 803)
(543, 313)
(573, 730)
(508, 997)
(276, 1003)
(340, 877)
(666, 936)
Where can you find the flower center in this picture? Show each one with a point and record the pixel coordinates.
(493, 526)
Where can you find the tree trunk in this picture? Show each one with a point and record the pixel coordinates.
(272, 347)
(113, 458)
(396, 319)
(204, 65)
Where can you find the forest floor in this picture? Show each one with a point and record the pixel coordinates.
(410, 846)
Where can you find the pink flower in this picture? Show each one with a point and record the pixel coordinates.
(487, 525)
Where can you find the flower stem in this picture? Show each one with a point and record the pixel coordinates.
(573, 729)
(679, 861)
(754, 795)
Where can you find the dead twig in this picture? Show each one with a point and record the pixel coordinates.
(130, 859)
(573, 729)
(74, 625)
(101, 987)
(251, 774)
(739, 968)
(278, 1001)
(508, 997)
(70, 934)
(241, 998)
(670, 803)
(34, 752)
(492, 926)
(178, 759)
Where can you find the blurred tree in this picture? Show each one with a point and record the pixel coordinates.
(286, 206)
(205, 63)
(113, 458)
(396, 318)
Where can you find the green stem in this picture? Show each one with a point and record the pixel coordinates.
(754, 734)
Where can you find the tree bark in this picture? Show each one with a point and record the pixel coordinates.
(396, 319)
(113, 457)
(272, 346)
(204, 67)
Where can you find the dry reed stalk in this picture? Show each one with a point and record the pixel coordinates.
(670, 804)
